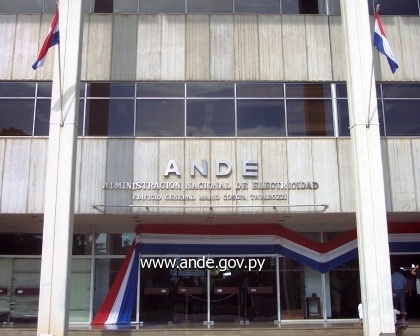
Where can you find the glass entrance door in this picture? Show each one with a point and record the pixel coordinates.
(172, 293)
(244, 294)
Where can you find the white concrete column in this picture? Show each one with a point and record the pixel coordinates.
(53, 313)
(372, 233)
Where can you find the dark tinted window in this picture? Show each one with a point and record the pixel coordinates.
(343, 117)
(209, 6)
(125, 6)
(334, 7)
(308, 90)
(16, 6)
(112, 90)
(160, 117)
(401, 90)
(50, 6)
(21, 244)
(162, 6)
(210, 90)
(402, 117)
(109, 117)
(257, 6)
(16, 117)
(256, 90)
(81, 117)
(302, 7)
(42, 117)
(341, 90)
(103, 6)
(211, 117)
(11, 89)
(261, 118)
(44, 89)
(309, 117)
(160, 90)
(393, 7)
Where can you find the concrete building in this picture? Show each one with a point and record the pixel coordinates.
(215, 130)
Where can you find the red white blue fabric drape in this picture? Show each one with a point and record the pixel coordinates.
(243, 240)
(118, 304)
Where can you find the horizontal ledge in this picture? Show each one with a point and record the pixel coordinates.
(210, 207)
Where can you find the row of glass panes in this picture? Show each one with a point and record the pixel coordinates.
(210, 109)
(329, 7)
(218, 90)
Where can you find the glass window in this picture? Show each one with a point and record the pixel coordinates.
(209, 6)
(108, 90)
(210, 117)
(160, 117)
(392, 7)
(82, 244)
(303, 6)
(86, 6)
(344, 285)
(42, 117)
(81, 117)
(98, 90)
(113, 244)
(44, 89)
(334, 7)
(257, 6)
(381, 118)
(209, 89)
(160, 301)
(103, 6)
(125, 6)
(261, 118)
(11, 89)
(402, 117)
(109, 117)
(308, 90)
(148, 90)
(292, 289)
(80, 285)
(16, 117)
(21, 244)
(13, 6)
(309, 117)
(50, 6)
(82, 91)
(161, 6)
(122, 90)
(254, 90)
(400, 90)
(343, 117)
(341, 90)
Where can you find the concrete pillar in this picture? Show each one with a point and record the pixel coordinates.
(372, 233)
(53, 313)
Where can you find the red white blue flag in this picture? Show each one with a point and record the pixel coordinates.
(381, 43)
(53, 38)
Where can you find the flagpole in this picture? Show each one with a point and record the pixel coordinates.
(370, 117)
(59, 71)
(61, 87)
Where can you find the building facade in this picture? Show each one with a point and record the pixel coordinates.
(218, 132)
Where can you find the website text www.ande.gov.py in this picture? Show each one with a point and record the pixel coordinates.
(222, 264)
